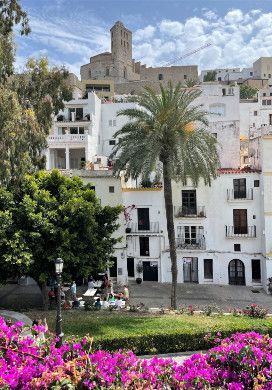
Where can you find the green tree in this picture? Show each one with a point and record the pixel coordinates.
(11, 14)
(247, 92)
(27, 102)
(210, 75)
(55, 216)
(166, 128)
(22, 140)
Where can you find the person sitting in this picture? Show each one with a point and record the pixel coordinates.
(66, 305)
(118, 303)
(75, 304)
(111, 298)
(105, 304)
(97, 304)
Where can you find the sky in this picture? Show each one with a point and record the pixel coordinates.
(69, 32)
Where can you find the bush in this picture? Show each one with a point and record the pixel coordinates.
(241, 361)
(255, 311)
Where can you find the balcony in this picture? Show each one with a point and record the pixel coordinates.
(187, 212)
(239, 195)
(81, 138)
(240, 231)
(196, 243)
(152, 227)
(71, 121)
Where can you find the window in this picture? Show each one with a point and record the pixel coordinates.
(73, 130)
(214, 134)
(113, 267)
(268, 102)
(188, 202)
(217, 109)
(110, 122)
(270, 94)
(107, 71)
(264, 94)
(112, 142)
(269, 76)
(208, 269)
(264, 102)
(114, 122)
(111, 189)
(237, 247)
(185, 76)
(239, 188)
(144, 246)
(256, 183)
(143, 219)
(190, 235)
(240, 221)
(224, 92)
(255, 113)
(264, 75)
(81, 130)
(270, 119)
(251, 73)
(61, 130)
(160, 76)
(219, 79)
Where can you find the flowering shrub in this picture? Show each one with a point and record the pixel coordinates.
(255, 311)
(242, 361)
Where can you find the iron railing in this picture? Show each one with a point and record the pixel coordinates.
(151, 227)
(195, 243)
(240, 195)
(240, 231)
(181, 211)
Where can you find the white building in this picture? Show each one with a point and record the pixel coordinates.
(222, 232)
(229, 74)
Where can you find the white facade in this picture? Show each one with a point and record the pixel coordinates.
(222, 233)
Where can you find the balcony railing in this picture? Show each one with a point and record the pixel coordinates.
(240, 195)
(190, 212)
(63, 118)
(152, 227)
(67, 138)
(240, 231)
(195, 243)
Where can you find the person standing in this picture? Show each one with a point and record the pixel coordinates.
(126, 294)
(73, 290)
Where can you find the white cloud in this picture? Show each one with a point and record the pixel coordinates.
(234, 16)
(210, 15)
(144, 33)
(172, 28)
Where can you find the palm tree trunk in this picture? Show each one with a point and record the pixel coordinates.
(171, 231)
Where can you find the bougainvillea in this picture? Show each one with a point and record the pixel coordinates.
(242, 361)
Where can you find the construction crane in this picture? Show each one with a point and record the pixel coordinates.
(189, 53)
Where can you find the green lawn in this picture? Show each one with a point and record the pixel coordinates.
(146, 333)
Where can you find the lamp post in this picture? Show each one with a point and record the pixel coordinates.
(58, 270)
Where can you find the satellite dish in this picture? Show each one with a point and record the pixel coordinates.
(251, 152)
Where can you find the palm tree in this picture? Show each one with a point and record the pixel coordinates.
(165, 127)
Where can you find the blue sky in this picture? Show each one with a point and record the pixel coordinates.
(70, 31)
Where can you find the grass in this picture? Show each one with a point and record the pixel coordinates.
(116, 325)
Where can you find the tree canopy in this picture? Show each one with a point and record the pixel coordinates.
(210, 75)
(247, 92)
(54, 216)
(28, 101)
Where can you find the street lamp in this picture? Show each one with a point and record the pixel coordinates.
(58, 270)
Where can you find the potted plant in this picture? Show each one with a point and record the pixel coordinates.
(139, 270)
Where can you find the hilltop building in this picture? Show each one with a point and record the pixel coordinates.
(128, 75)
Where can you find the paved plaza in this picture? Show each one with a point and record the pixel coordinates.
(154, 294)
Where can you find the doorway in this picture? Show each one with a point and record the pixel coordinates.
(130, 267)
(256, 270)
(113, 267)
(236, 272)
(190, 269)
(150, 271)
